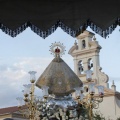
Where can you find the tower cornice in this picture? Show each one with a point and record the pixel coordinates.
(86, 33)
(84, 52)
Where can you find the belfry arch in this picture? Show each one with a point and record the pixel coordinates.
(90, 63)
(80, 67)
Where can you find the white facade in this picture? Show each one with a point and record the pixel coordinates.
(85, 52)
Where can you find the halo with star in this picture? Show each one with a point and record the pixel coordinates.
(57, 45)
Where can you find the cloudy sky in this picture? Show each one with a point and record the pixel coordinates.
(28, 52)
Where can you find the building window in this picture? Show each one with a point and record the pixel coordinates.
(83, 44)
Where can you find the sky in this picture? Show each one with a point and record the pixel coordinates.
(29, 52)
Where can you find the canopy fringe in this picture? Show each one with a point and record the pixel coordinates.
(68, 30)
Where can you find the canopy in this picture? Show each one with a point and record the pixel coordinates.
(73, 16)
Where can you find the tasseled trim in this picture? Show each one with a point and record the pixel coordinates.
(73, 33)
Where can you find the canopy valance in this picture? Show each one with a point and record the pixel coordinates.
(73, 16)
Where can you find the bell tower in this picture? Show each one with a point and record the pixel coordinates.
(85, 53)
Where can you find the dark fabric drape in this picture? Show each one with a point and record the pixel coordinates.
(73, 16)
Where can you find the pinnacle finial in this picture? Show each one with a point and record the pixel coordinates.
(75, 43)
(113, 83)
(94, 38)
(113, 86)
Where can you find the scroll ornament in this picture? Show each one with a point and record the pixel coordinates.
(102, 76)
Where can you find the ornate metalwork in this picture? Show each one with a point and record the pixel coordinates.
(90, 102)
(31, 101)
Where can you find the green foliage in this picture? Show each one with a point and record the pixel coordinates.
(98, 116)
(82, 111)
(118, 118)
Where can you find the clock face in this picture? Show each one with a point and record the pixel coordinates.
(57, 48)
